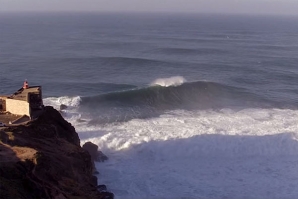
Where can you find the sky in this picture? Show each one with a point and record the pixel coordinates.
(277, 7)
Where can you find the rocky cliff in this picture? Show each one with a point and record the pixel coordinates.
(43, 159)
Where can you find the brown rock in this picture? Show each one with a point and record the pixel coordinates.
(43, 159)
(93, 151)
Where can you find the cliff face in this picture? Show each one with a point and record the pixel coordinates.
(43, 159)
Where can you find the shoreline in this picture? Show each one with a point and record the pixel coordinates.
(43, 158)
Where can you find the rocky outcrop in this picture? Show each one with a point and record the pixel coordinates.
(96, 155)
(43, 159)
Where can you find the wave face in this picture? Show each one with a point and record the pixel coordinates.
(155, 100)
(194, 95)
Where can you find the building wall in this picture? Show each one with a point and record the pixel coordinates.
(17, 107)
(2, 103)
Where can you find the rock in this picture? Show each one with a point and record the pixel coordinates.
(101, 157)
(102, 187)
(63, 107)
(107, 195)
(43, 159)
(93, 151)
(94, 180)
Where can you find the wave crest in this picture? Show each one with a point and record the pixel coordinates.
(171, 81)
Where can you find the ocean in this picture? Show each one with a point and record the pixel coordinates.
(184, 106)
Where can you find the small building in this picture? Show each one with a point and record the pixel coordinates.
(26, 101)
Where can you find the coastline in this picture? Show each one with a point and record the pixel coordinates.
(43, 159)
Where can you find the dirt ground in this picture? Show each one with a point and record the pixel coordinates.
(7, 117)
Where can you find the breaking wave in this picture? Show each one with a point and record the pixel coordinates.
(166, 82)
(163, 95)
(153, 101)
(65, 100)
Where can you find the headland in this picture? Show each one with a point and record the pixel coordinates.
(41, 156)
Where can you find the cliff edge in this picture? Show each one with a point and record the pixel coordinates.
(43, 159)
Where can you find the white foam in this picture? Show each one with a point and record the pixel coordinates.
(252, 153)
(70, 113)
(66, 100)
(171, 81)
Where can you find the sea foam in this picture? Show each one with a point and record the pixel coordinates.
(198, 154)
(171, 81)
(190, 154)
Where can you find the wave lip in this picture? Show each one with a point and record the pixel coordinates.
(171, 81)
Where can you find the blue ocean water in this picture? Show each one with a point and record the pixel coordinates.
(217, 92)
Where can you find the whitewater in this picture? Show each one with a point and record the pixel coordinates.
(212, 153)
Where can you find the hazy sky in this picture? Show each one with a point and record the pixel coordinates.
(189, 6)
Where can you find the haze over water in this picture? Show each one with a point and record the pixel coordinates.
(184, 106)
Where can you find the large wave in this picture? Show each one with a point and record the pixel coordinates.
(166, 94)
(162, 95)
(154, 100)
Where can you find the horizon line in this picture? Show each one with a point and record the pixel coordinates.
(147, 13)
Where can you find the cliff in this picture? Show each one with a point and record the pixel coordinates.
(43, 159)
